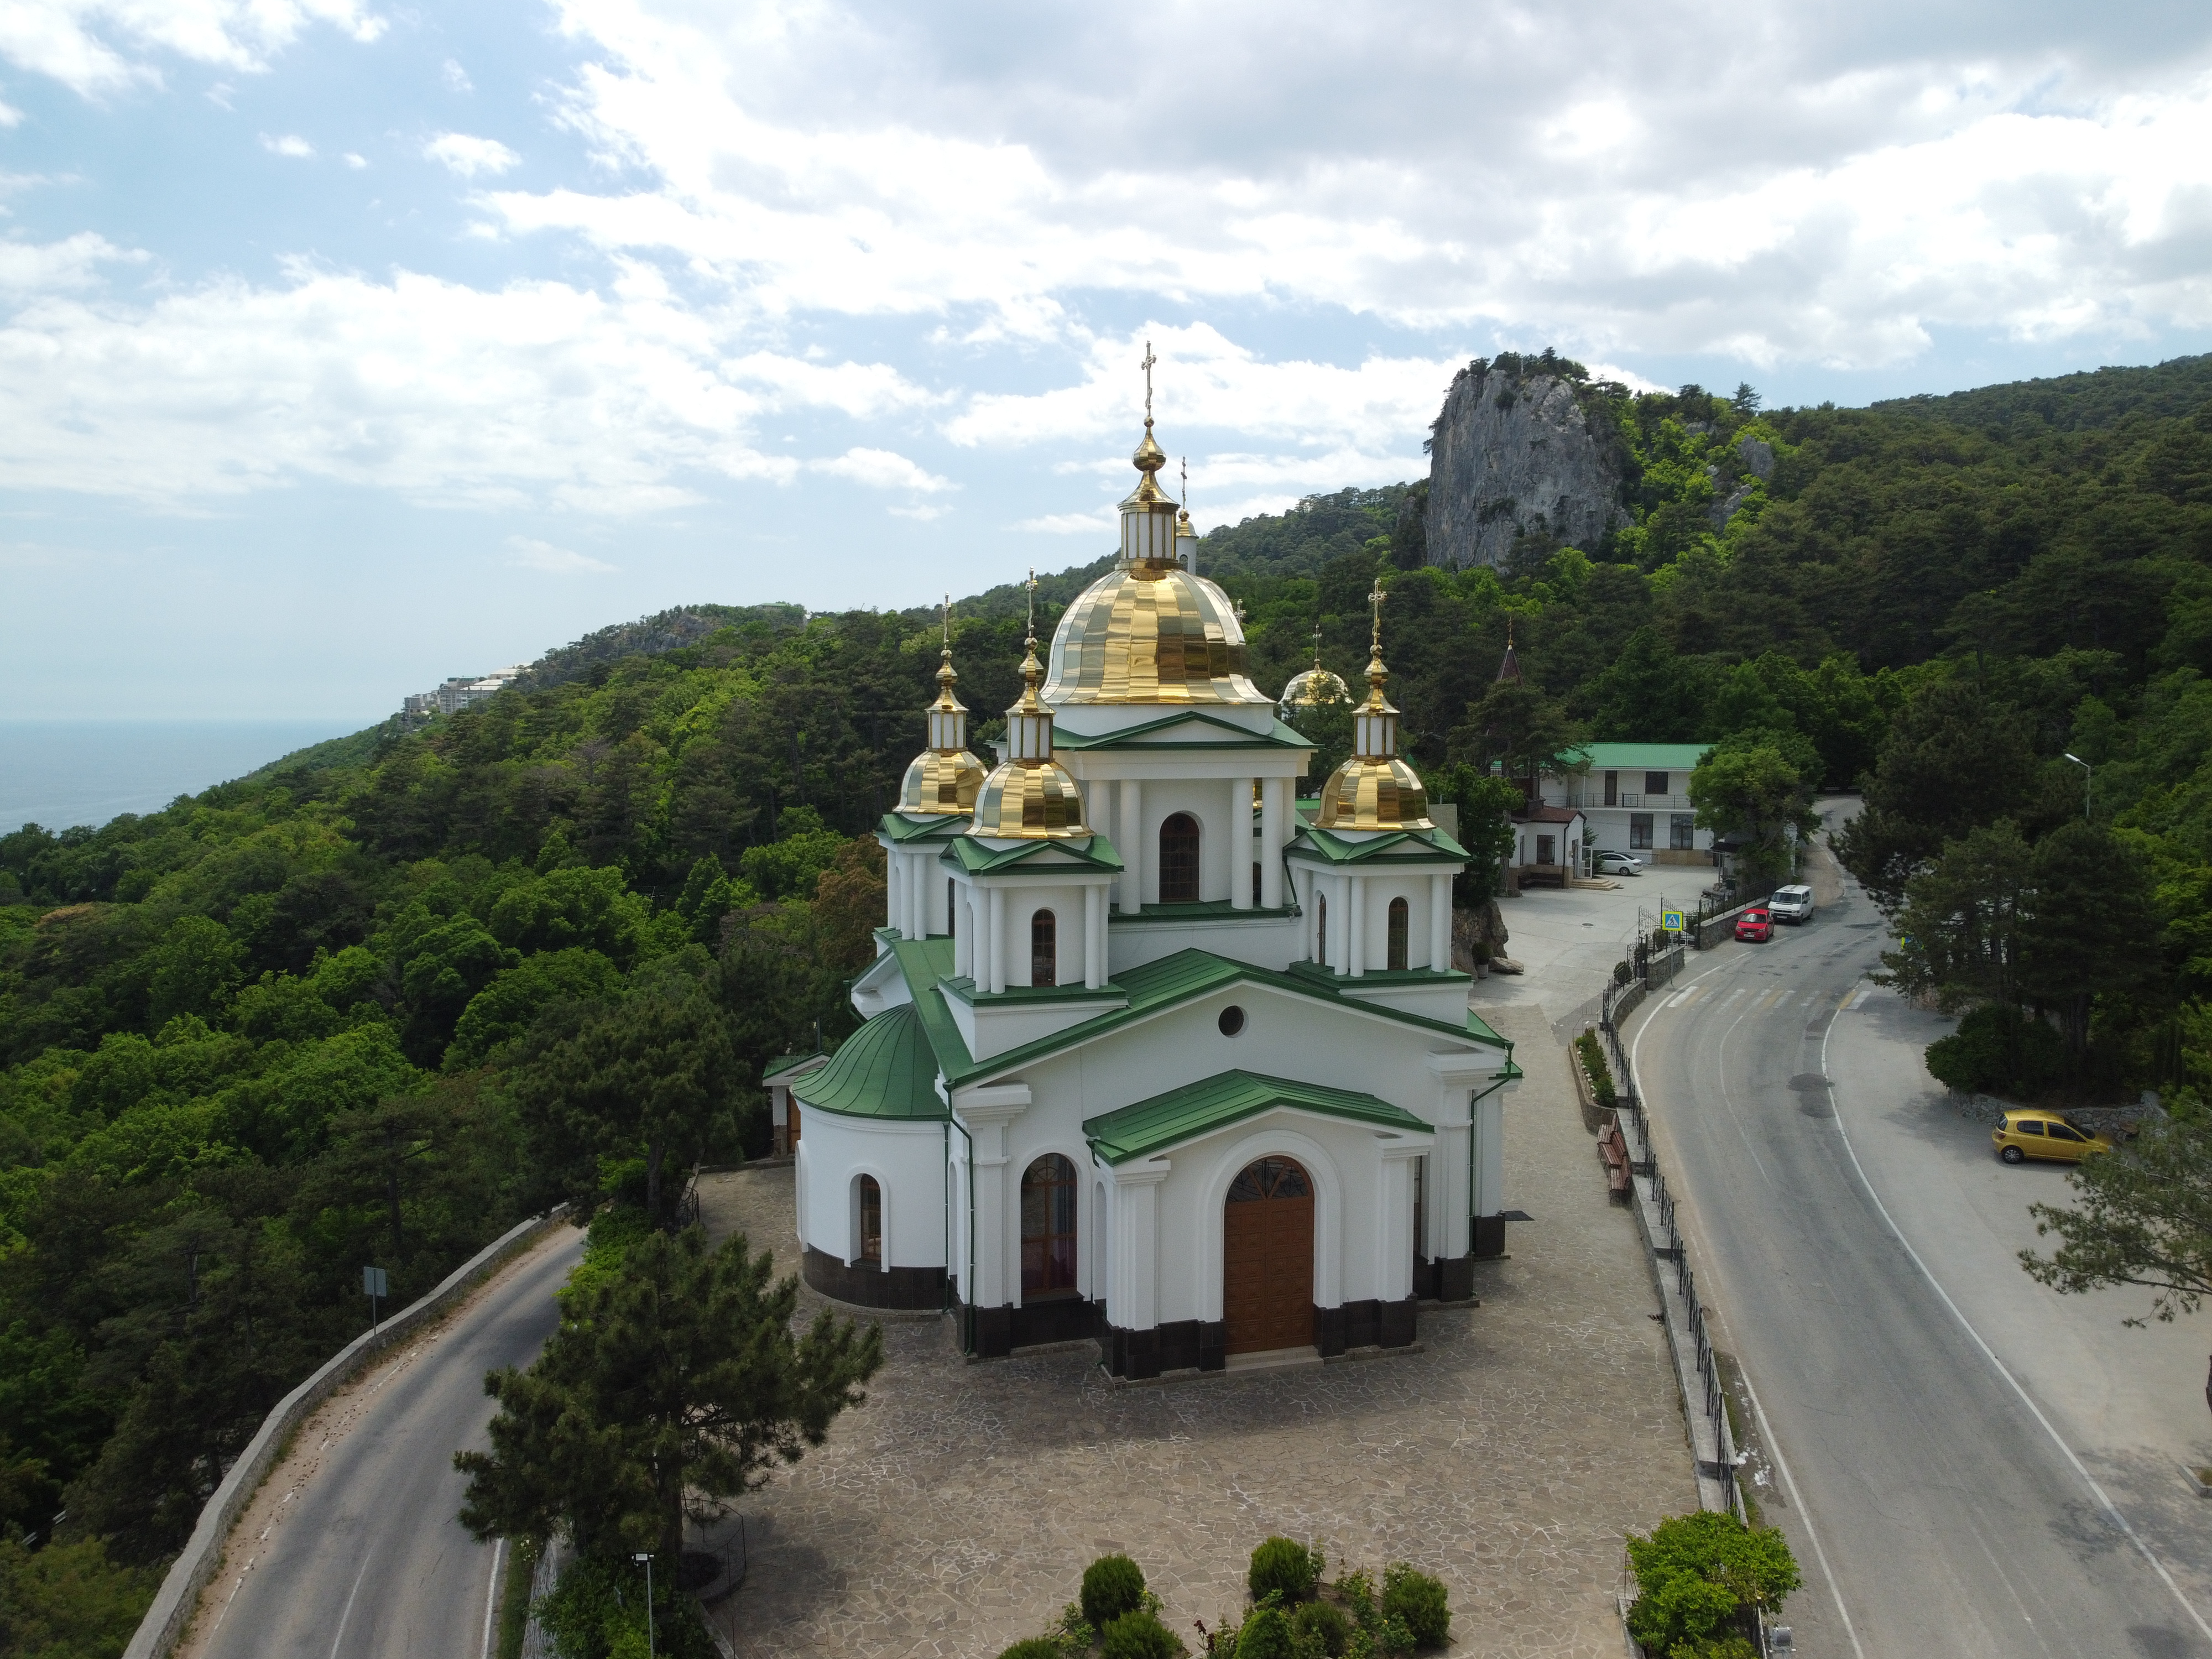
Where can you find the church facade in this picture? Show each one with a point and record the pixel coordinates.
(1154, 1051)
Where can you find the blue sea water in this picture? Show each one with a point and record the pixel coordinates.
(58, 773)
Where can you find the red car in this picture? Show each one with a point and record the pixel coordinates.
(1755, 927)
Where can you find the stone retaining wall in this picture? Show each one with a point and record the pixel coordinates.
(172, 1610)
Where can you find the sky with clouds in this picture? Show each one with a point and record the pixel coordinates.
(343, 347)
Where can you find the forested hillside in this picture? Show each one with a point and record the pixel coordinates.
(377, 1000)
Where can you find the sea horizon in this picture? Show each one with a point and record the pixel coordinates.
(62, 772)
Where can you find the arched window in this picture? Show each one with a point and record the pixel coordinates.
(1044, 949)
(1048, 1197)
(1179, 859)
(1255, 883)
(1399, 916)
(871, 1221)
(1321, 928)
(952, 908)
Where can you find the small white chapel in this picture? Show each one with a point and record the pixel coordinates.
(1156, 1052)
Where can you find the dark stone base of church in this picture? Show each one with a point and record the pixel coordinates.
(1451, 1279)
(995, 1333)
(1181, 1345)
(1489, 1238)
(869, 1286)
(1369, 1324)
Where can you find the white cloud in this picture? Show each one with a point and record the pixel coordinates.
(469, 156)
(101, 46)
(354, 161)
(9, 115)
(1101, 523)
(881, 468)
(923, 511)
(289, 145)
(456, 78)
(75, 263)
(529, 554)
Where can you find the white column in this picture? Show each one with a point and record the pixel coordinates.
(1339, 932)
(1134, 1295)
(1239, 843)
(1131, 843)
(895, 894)
(1274, 801)
(1394, 1239)
(1440, 923)
(961, 918)
(995, 931)
(1094, 936)
(1490, 1153)
(997, 1265)
(1356, 917)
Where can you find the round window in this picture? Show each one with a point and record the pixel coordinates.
(1232, 1020)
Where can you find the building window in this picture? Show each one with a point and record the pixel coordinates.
(1048, 1196)
(1399, 920)
(1612, 789)
(1421, 1211)
(1547, 848)
(1655, 783)
(952, 908)
(871, 1221)
(1681, 831)
(1044, 949)
(1321, 928)
(1179, 859)
(1255, 883)
(1639, 829)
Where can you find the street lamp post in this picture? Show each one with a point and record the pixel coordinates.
(643, 1556)
(2088, 778)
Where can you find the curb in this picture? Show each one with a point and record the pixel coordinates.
(179, 1597)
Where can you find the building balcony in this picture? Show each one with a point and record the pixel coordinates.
(1629, 800)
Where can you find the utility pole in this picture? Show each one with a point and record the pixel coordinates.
(2089, 781)
(643, 1556)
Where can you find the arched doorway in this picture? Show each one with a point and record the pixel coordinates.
(1267, 1259)
(1179, 859)
(1048, 1193)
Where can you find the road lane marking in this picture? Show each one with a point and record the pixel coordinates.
(355, 1591)
(1857, 997)
(1990, 1354)
(491, 1602)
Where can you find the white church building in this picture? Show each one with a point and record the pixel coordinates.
(1154, 1051)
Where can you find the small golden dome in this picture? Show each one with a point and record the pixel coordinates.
(1029, 796)
(941, 781)
(1375, 789)
(1314, 687)
(1151, 633)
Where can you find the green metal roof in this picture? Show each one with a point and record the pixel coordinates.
(1150, 988)
(1152, 1125)
(941, 826)
(783, 1063)
(973, 856)
(885, 1069)
(1334, 848)
(1639, 757)
(1226, 734)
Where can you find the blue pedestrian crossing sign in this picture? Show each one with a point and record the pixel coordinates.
(1671, 920)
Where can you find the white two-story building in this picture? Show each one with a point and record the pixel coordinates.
(1635, 797)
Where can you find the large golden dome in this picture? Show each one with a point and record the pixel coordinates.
(1151, 633)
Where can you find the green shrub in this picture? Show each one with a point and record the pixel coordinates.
(1698, 1575)
(1139, 1635)
(1418, 1602)
(597, 1611)
(1594, 1067)
(1323, 1626)
(1266, 1635)
(1034, 1647)
(1997, 1050)
(1285, 1567)
(1112, 1585)
(1356, 1591)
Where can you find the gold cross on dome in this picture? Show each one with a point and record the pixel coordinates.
(948, 621)
(1031, 584)
(1186, 483)
(1149, 361)
(1375, 599)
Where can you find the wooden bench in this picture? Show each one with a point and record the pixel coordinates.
(1612, 1147)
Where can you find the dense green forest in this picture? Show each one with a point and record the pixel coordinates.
(377, 1000)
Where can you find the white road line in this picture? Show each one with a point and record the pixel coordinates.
(355, 1591)
(491, 1602)
(1990, 1354)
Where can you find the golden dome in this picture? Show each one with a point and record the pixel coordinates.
(945, 777)
(1151, 633)
(941, 781)
(1314, 687)
(1029, 796)
(1374, 789)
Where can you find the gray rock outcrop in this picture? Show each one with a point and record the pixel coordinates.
(1514, 454)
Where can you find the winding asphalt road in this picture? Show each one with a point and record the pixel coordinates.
(370, 1563)
(1964, 1462)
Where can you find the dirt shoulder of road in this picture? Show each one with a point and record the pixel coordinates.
(345, 1411)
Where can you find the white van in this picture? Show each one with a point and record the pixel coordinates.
(1791, 904)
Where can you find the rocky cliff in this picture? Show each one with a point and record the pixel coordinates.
(1514, 453)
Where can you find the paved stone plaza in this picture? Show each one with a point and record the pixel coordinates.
(955, 1511)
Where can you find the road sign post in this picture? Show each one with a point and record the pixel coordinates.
(375, 1285)
(1671, 920)
(648, 1559)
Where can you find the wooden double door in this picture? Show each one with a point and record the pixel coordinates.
(1266, 1277)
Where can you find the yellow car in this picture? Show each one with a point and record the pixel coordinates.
(2023, 1135)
